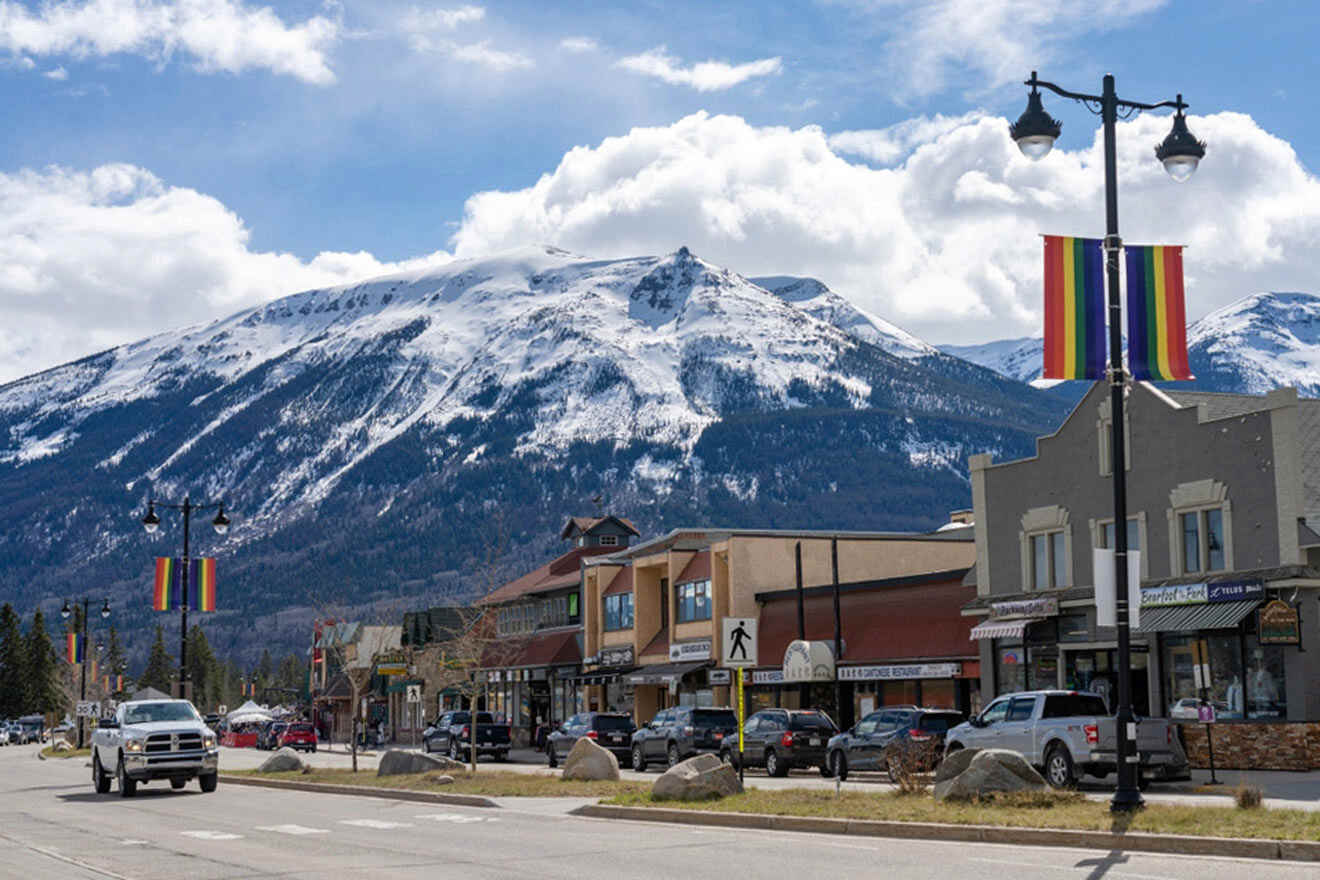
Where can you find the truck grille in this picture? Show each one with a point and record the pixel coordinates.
(173, 742)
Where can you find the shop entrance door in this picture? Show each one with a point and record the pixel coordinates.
(1096, 671)
(539, 713)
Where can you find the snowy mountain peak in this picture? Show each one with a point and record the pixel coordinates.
(817, 300)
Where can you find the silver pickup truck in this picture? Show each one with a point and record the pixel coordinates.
(154, 739)
(1066, 734)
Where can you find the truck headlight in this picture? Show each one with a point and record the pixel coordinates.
(132, 745)
(208, 742)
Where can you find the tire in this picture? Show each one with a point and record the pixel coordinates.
(826, 771)
(1059, 769)
(127, 787)
(672, 756)
(177, 784)
(638, 759)
(208, 782)
(454, 753)
(774, 765)
(100, 779)
(501, 757)
(551, 758)
(839, 766)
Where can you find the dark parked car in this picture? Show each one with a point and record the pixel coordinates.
(781, 739)
(268, 736)
(610, 730)
(679, 733)
(451, 734)
(892, 739)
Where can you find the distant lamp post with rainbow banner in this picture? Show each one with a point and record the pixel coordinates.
(1075, 306)
(175, 576)
(76, 651)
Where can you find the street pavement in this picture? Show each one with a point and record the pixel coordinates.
(53, 825)
(1298, 791)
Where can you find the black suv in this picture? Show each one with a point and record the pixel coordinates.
(610, 730)
(896, 738)
(681, 732)
(781, 739)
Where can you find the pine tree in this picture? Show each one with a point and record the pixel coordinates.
(115, 661)
(160, 666)
(44, 692)
(265, 669)
(13, 663)
(202, 670)
(292, 676)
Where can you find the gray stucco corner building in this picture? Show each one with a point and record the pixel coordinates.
(1224, 507)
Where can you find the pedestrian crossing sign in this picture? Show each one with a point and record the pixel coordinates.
(738, 645)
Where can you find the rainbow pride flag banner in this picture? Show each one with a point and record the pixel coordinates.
(75, 648)
(201, 580)
(167, 593)
(1074, 308)
(1157, 322)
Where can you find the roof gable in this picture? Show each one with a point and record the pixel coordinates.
(586, 525)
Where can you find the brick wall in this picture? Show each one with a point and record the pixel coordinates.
(1284, 746)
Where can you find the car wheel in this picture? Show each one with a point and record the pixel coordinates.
(774, 766)
(1059, 772)
(127, 787)
(839, 766)
(177, 784)
(551, 758)
(100, 779)
(638, 759)
(209, 781)
(672, 754)
(454, 753)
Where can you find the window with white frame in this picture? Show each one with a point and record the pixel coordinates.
(694, 601)
(1200, 528)
(1102, 537)
(1046, 549)
(609, 540)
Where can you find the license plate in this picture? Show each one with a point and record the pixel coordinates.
(488, 743)
(815, 740)
(617, 739)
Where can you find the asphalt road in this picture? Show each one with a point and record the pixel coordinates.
(53, 825)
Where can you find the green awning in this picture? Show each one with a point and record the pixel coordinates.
(1211, 615)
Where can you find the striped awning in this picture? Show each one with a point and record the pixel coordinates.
(1003, 629)
(1210, 615)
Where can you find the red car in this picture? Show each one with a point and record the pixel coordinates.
(298, 736)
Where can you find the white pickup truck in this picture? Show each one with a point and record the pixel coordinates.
(1066, 733)
(154, 739)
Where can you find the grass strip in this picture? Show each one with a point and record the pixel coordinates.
(51, 752)
(1050, 810)
(490, 783)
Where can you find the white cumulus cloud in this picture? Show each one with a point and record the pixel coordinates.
(219, 35)
(578, 44)
(885, 146)
(59, 74)
(704, 76)
(422, 26)
(946, 243)
(91, 259)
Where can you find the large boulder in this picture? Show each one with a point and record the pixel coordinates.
(704, 777)
(988, 771)
(283, 761)
(397, 761)
(589, 761)
(954, 763)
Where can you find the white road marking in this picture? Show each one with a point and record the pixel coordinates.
(211, 835)
(133, 842)
(292, 829)
(375, 823)
(454, 817)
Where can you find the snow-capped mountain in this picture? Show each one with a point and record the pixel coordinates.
(1259, 343)
(1019, 359)
(380, 437)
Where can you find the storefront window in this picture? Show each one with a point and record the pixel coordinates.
(1266, 695)
(1043, 670)
(1010, 668)
(1209, 660)
(694, 601)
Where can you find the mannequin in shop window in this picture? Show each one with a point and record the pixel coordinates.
(1234, 696)
(1264, 690)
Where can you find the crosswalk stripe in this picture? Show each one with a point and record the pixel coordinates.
(292, 829)
(375, 823)
(211, 835)
(458, 818)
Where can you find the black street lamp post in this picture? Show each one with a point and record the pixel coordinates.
(151, 523)
(1035, 132)
(65, 612)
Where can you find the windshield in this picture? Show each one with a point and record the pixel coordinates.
(145, 713)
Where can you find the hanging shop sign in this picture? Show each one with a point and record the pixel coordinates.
(698, 649)
(391, 664)
(767, 676)
(1047, 606)
(611, 657)
(902, 671)
(718, 677)
(1199, 594)
(1279, 624)
(808, 661)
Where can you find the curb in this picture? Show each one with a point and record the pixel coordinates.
(393, 794)
(1288, 850)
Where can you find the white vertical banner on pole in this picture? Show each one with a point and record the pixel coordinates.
(1106, 588)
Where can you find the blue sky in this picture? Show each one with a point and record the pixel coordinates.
(261, 149)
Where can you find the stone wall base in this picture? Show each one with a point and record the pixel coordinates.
(1289, 745)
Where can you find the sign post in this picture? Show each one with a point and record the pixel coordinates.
(738, 652)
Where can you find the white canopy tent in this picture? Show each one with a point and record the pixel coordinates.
(249, 712)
